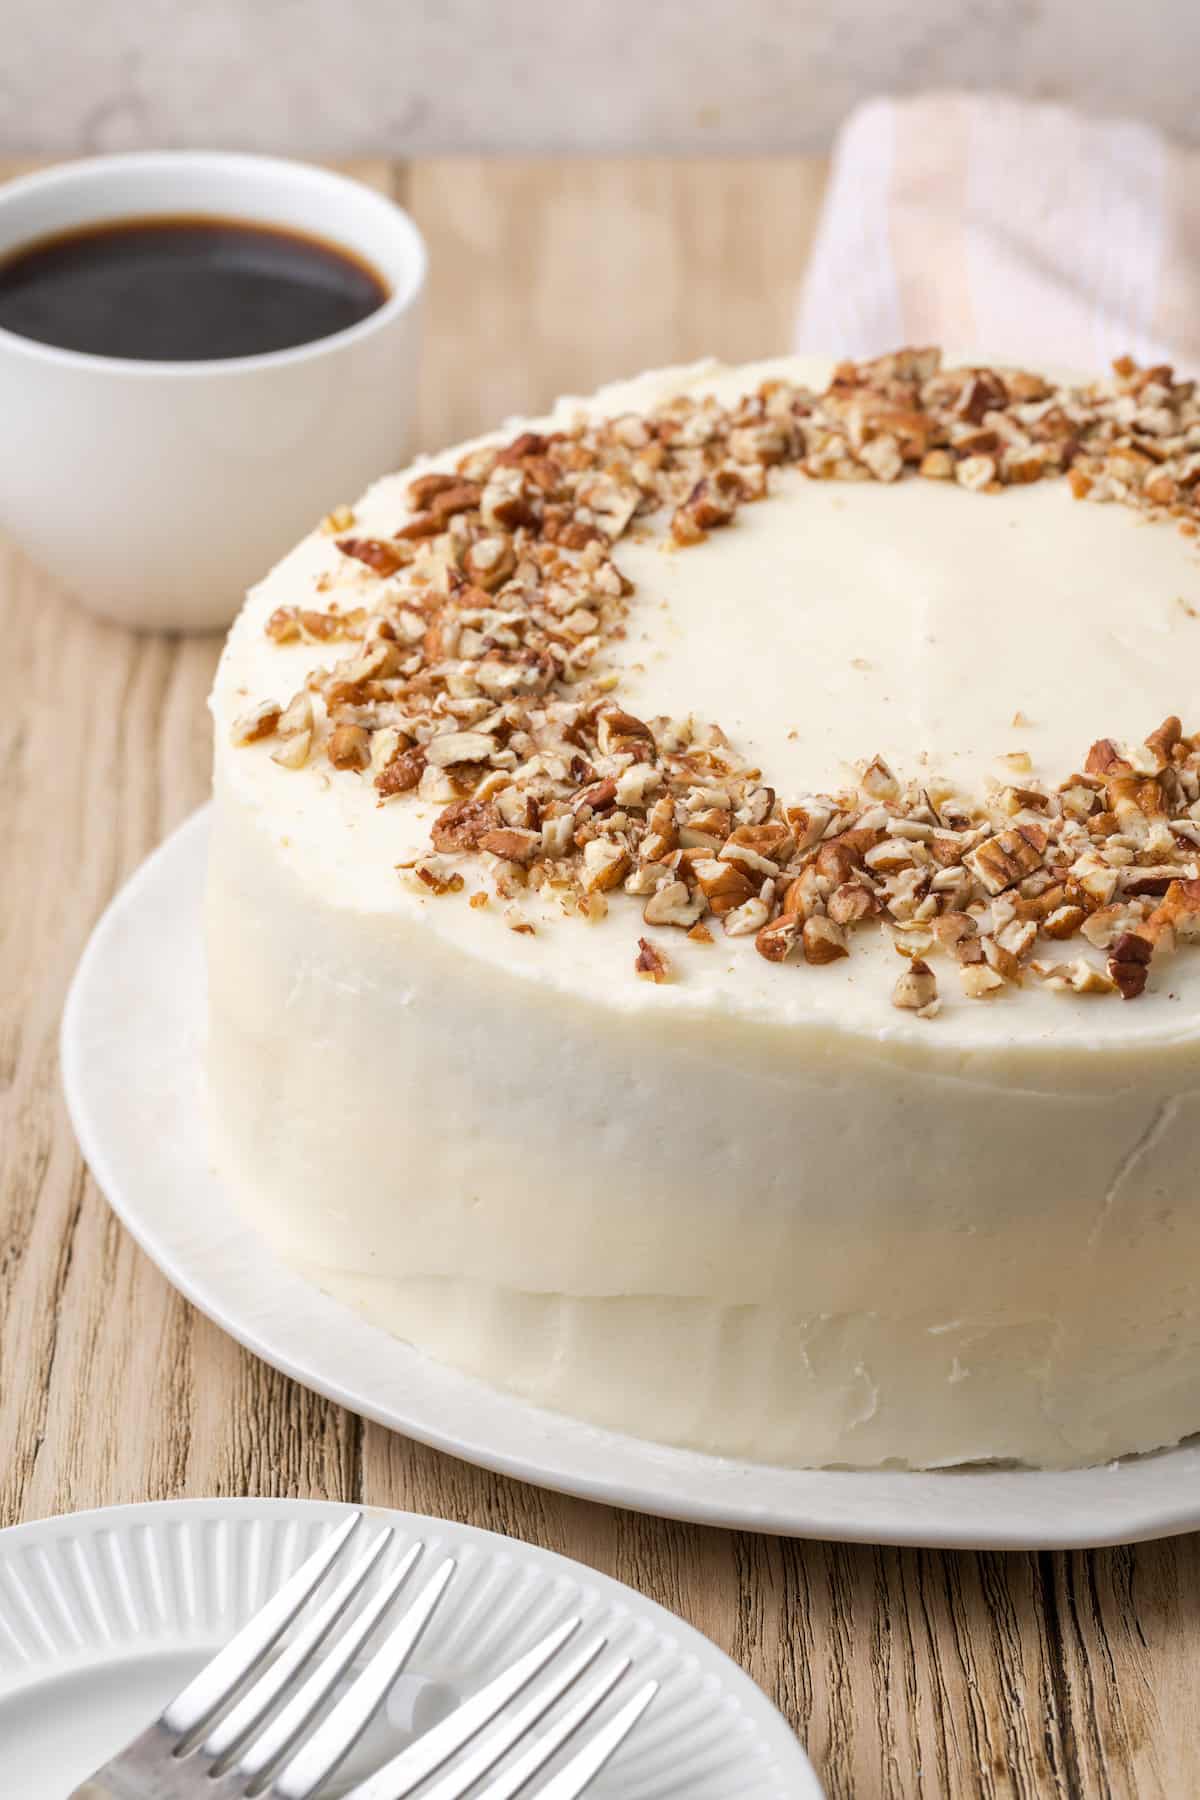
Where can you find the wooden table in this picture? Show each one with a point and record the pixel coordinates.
(905, 1672)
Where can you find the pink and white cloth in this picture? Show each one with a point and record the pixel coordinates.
(1024, 231)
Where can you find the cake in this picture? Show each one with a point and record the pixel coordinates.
(699, 911)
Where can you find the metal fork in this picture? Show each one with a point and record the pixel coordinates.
(247, 1725)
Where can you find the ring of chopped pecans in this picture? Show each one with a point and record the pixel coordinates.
(469, 681)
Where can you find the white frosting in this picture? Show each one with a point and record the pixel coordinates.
(830, 1231)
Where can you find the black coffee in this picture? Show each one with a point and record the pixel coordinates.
(184, 289)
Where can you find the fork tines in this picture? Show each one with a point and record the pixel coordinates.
(266, 1718)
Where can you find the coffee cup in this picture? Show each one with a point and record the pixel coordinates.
(157, 491)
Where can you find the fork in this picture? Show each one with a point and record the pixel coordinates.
(247, 1725)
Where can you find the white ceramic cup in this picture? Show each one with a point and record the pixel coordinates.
(156, 492)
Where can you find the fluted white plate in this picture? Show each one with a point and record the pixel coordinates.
(105, 1615)
(132, 1042)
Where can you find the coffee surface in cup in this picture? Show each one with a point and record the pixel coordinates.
(184, 289)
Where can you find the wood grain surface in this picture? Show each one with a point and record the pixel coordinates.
(905, 1672)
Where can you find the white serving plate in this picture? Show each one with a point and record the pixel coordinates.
(105, 1615)
(132, 1066)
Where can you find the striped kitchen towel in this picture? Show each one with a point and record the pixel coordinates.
(1024, 231)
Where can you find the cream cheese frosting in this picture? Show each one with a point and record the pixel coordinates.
(832, 1231)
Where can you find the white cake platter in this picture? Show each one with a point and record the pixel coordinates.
(132, 1047)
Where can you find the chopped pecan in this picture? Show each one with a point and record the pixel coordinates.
(489, 561)
(801, 895)
(1004, 961)
(384, 558)
(1079, 976)
(1163, 741)
(459, 747)
(292, 752)
(349, 747)
(747, 919)
(916, 990)
(402, 773)
(1001, 861)
(421, 525)
(463, 824)
(437, 875)
(1180, 909)
(1104, 758)
(822, 940)
(1039, 904)
(937, 465)
(610, 501)
(808, 823)
(1129, 963)
(260, 722)
(771, 841)
(952, 928)
(879, 781)
(577, 534)
(605, 865)
(1138, 882)
(620, 731)
(1063, 922)
(883, 456)
(712, 503)
(779, 938)
(979, 981)
(983, 392)
(298, 715)
(849, 903)
(284, 624)
(600, 796)
(673, 904)
(975, 472)
(507, 502)
(426, 488)
(1131, 796)
(839, 856)
(513, 843)
(460, 496)
(723, 884)
(528, 443)
(650, 962)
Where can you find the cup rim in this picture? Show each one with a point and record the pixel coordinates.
(392, 215)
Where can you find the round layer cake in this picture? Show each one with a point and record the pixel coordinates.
(699, 904)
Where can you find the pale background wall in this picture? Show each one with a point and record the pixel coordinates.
(352, 76)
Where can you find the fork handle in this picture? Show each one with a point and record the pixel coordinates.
(144, 1770)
